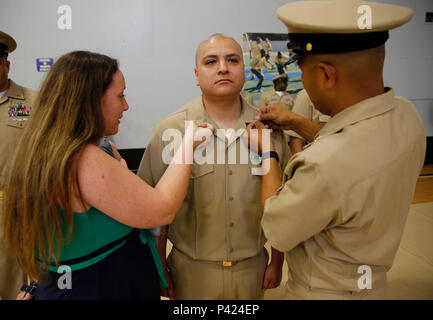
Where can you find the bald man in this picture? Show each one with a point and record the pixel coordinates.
(340, 213)
(218, 245)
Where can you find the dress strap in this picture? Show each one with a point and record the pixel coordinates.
(146, 237)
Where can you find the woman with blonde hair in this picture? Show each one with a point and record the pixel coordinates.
(69, 206)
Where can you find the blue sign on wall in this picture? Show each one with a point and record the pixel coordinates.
(44, 64)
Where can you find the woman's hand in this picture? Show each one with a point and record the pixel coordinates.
(202, 134)
(24, 296)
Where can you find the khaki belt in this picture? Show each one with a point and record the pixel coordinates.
(232, 263)
(224, 263)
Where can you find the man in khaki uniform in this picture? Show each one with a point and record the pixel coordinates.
(278, 95)
(341, 210)
(256, 65)
(248, 97)
(305, 108)
(218, 245)
(16, 103)
(268, 49)
(280, 60)
(256, 48)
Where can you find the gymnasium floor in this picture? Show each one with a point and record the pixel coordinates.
(411, 277)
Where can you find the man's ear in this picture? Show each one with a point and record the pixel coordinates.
(328, 74)
(196, 77)
(8, 65)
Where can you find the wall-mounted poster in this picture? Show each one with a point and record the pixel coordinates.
(264, 57)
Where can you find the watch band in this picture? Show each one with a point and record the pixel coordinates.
(270, 154)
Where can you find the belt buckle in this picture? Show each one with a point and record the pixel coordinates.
(229, 263)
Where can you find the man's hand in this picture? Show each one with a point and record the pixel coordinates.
(279, 118)
(274, 270)
(273, 276)
(275, 116)
(258, 137)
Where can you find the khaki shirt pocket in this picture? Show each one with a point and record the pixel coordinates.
(17, 122)
(203, 183)
(250, 183)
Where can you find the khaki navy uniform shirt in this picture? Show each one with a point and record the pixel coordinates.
(281, 60)
(249, 97)
(272, 97)
(268, 47)
(258, 63)
(255, 50)
(220, 216)
(345, 198)
(304, 107)
(14, 112)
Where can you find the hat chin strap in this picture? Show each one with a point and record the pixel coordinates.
(318, 43)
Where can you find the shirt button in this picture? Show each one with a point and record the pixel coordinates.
(231, 198)
(231, 249)
(231, 224)
(230, 172)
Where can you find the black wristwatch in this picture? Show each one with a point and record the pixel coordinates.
(270, 154)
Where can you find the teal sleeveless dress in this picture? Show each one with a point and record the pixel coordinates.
(104, 259)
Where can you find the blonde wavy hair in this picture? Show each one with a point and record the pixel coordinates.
(67, 116)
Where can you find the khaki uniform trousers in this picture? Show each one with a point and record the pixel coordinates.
(11, 276)
(210, 280)
(296, 290)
